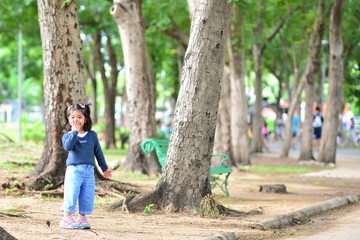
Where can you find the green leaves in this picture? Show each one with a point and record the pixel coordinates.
(66, 3)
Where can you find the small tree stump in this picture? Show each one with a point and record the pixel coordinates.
(275, 188)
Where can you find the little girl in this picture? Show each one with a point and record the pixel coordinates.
(79, 184)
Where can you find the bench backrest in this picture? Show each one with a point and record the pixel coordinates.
(159, 145)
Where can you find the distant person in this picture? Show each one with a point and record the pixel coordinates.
(296, 121)
(265, 134)
(270, 127)
(250, 135)
(352, 129)
(79, 184)
(317, 124)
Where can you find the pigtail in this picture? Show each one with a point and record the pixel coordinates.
(67, 124)
(88, 124)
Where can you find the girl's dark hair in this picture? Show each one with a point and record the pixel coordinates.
(84, 109)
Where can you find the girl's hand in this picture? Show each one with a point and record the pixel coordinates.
(108, 173)
(75, 125)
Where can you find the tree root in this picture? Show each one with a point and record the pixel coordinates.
(13, 214)
(118, 188)
(137, 202)
(235, 213)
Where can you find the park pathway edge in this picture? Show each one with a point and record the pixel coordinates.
(294, 217)
(298, 215)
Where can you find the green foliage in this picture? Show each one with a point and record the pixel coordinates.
(15, 15)
(65, 3)
(163, 134)
(351, 35)
(123, 134)
(352, 86)
(148, 209)
(99, 127)
(7, 191)
(161, 15)
(33, 132)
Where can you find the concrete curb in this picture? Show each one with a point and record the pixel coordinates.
(223, 236)
(294, 217)
(298, 215)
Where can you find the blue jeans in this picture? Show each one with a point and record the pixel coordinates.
(79, 184)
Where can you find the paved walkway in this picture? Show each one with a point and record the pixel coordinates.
(347, 162)
(344, 228)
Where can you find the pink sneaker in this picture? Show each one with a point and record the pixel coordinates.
(68, 222)
(82, 222)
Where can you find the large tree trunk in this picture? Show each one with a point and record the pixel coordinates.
(193, 129)
(257, 121)
(311, 71)
(92, 78)
(180, 56)
(109, 91)
(308, 77)
(222, 143)
(306, 152)
(289, 124)
(239, 109)
(186, 177)
(258, 53)
(64, 84)
(140, 87)
(327, 152)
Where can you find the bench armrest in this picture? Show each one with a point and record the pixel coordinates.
(149, 145)
(225, 158)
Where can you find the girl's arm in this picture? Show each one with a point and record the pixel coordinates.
(99, 154)
(69, 139)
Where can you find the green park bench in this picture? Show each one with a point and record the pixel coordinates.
(161, 146)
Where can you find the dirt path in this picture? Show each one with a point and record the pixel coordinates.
(304, 189)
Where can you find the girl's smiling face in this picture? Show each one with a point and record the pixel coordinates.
(77, 120)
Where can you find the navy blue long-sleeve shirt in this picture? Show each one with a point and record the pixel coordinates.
(83, 149)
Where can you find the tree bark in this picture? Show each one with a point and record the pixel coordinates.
(186, 177)
(192, 137)
(91, 76)
(109, 91)
(222, 142)
(140, 87)
(308, 77)
(64, 84)
(289, 124)
(239, 123)
(180, 57)
(257, 121)
(258, 53)
(311, 71)
(327, 151)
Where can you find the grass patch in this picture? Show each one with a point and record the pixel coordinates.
(12, 210)
(10, 130)
(20, 152)
(114, 154)
(262, 169)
